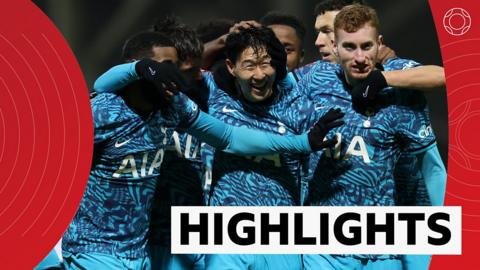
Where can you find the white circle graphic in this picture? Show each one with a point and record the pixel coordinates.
(451, 21)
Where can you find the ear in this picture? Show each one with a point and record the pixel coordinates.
(335, 48)
(302, 55)
(380, 40)
(230, 66)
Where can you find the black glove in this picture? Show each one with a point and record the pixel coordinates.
(316, 136)
(276, 50)
(367, 89)
(164, 75)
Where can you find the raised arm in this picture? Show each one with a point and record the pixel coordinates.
(245, 141)
(161, 74)
(213, 48)
(116, 78)
(424, 78)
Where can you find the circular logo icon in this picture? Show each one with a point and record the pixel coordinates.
(457, 21)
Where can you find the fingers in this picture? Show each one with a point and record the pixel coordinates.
(169, 94)
(174, 88)
(329, 143)
(169, 87)
(333, 115)
(243, 25)
(334, 110)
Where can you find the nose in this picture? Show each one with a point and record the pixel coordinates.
(320, 41)
(258, 74)
(360, 56)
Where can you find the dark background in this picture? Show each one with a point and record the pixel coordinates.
(96, 30)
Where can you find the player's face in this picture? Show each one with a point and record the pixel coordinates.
(325, 35)
(293, 45)
(161, 54)
(357, 52)
(254, 74)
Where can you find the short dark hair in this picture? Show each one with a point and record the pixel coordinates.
(211, 30)
(333, 5)
(256, 38)
(353, 17)
(184, 38)
(140, 45)
(276, 17)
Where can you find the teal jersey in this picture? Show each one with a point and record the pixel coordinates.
(114, 213)
(359, 170)
(261, 180)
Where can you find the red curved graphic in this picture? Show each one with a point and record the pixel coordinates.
(459, 36)
(45, 135)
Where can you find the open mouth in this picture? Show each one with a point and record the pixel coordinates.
(360, 69)
(258, 87)
(325, 56)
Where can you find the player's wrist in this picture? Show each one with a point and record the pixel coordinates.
(142, 67)
(377, 78)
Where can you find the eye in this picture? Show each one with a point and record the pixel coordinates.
(325, 30)
(265, 65)
(249, 66)
(367, 47)
(289, 50)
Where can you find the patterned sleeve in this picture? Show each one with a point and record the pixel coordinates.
(302, 71)
(304, 104)
(186, 110)
(400, 64)
(304, 83)
(305, 112)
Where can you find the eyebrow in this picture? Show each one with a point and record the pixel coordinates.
(348, 43)
(247, 62)
(324, 27)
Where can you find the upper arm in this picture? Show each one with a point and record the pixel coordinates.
(402, 73)
(116, 78)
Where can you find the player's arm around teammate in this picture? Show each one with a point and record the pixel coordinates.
(214, 132)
